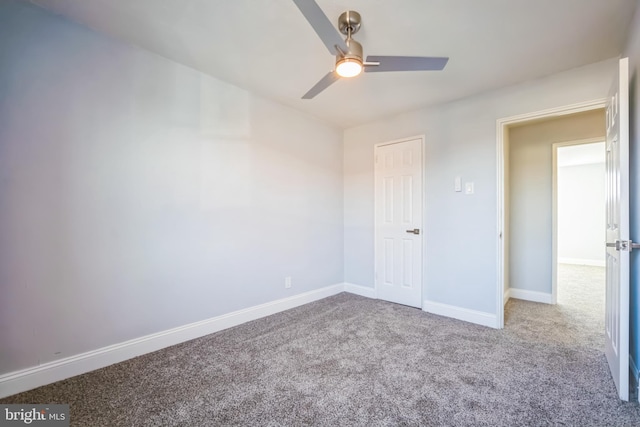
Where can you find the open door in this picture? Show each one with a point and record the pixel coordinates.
(618, 244)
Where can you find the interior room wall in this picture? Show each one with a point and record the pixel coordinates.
(531, 194)
(460, 262)
(139, 195)
(632, 50)
(581, 213)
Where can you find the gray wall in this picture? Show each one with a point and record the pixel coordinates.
(581, 214)
(460, 261)
(138, 195)
(530, 194)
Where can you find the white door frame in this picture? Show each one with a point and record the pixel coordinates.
(502, 132)
(554, 204)
(423, 222)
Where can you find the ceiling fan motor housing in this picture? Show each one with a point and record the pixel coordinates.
(355, 50)
(349, 22)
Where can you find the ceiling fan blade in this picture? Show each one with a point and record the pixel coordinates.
(405, 63)
(324, 83)
(322, 26)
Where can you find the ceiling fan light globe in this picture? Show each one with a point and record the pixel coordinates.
(348, 67)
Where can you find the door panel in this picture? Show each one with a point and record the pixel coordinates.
(617, 231)
(398, 212)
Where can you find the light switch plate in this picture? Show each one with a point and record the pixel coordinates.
(458, 184)
(468, 188)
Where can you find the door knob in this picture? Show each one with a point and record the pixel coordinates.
(414, 231)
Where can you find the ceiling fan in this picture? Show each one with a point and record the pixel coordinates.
(348, 52)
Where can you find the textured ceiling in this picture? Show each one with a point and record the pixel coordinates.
(267, 47)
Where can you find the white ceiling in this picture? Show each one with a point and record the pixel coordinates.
(267, 47)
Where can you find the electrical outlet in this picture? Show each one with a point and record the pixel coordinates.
(287, 282)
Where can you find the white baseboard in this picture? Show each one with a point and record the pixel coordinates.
(578, 261)
(473, 316)
(47, 373)
(507, 295)
(531, 295)
(364, 291)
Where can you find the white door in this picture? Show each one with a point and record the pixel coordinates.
(618, 245)
(398, 222)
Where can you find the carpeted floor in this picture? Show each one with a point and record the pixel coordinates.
(349, 360)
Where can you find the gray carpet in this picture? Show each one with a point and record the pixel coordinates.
(349, 360)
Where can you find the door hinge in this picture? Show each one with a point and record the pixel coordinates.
(624, 245)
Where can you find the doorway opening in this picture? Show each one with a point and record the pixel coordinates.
(526, 254)
(531, 208)
(578, 232)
